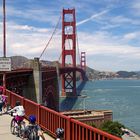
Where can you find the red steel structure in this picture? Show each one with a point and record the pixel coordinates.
(69, 78)
(50, 120)
(17, 78)
(83, 60)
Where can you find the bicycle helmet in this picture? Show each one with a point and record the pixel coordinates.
(59, 132)
(32, 119)
(17, 103)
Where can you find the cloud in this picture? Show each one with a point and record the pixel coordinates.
(19, 28)
(29, 40)
(131, 36)
(135, 5)
(106, 43)
(124, 20)
(108, 52)
(38, 14)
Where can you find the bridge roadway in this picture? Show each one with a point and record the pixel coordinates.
(5, 133)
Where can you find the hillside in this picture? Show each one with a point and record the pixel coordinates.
(126, 74)
(18, 61)
(94, 74)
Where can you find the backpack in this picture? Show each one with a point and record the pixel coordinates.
(33, 132)
(1, 99)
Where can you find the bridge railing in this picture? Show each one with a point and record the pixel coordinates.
(49, 120)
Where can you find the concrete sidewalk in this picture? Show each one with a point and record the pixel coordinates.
(5, 133)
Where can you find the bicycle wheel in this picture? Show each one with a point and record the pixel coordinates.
(21, 129)
(33, 136)
(12, 126)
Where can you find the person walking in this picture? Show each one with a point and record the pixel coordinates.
(3, 100)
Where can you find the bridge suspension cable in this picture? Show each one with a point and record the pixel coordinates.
(51, 37)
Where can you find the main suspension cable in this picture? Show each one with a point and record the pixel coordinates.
(51, 37)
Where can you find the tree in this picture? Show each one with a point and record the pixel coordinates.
(113, 128)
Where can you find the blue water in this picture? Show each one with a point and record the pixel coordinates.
(120, 96)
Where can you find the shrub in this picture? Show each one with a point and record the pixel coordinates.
(91, 124)
(113, 128)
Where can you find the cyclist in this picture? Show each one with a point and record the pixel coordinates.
(18, 112)
(33, 130)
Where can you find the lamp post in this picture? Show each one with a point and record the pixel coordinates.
(4, 44)
(4, 30)
(84, 102)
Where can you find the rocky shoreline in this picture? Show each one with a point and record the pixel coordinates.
(130, 135)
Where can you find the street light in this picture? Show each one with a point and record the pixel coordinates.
(84, 101)
(4, 43)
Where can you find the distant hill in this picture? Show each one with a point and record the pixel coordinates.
(126, 74)
(18, 61)
(94, 74)
(138, 73)
(21, 61)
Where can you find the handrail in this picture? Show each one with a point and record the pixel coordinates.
(49, 120)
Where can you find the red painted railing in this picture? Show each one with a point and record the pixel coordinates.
(49, 120)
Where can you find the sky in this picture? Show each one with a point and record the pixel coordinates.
(107, 30)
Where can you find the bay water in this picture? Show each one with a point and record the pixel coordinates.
(120, 96)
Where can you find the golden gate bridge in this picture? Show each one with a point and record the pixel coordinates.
(38, 82)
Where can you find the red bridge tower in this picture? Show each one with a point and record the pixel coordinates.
(69, 78)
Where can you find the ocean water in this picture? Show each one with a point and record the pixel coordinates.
(120, 96)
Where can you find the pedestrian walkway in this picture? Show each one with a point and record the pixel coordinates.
(5, 133)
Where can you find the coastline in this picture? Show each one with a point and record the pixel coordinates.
(131, 136)
(114, 79)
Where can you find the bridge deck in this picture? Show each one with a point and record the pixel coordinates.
(5, 129)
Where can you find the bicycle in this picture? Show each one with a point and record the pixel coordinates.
(17, 128)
